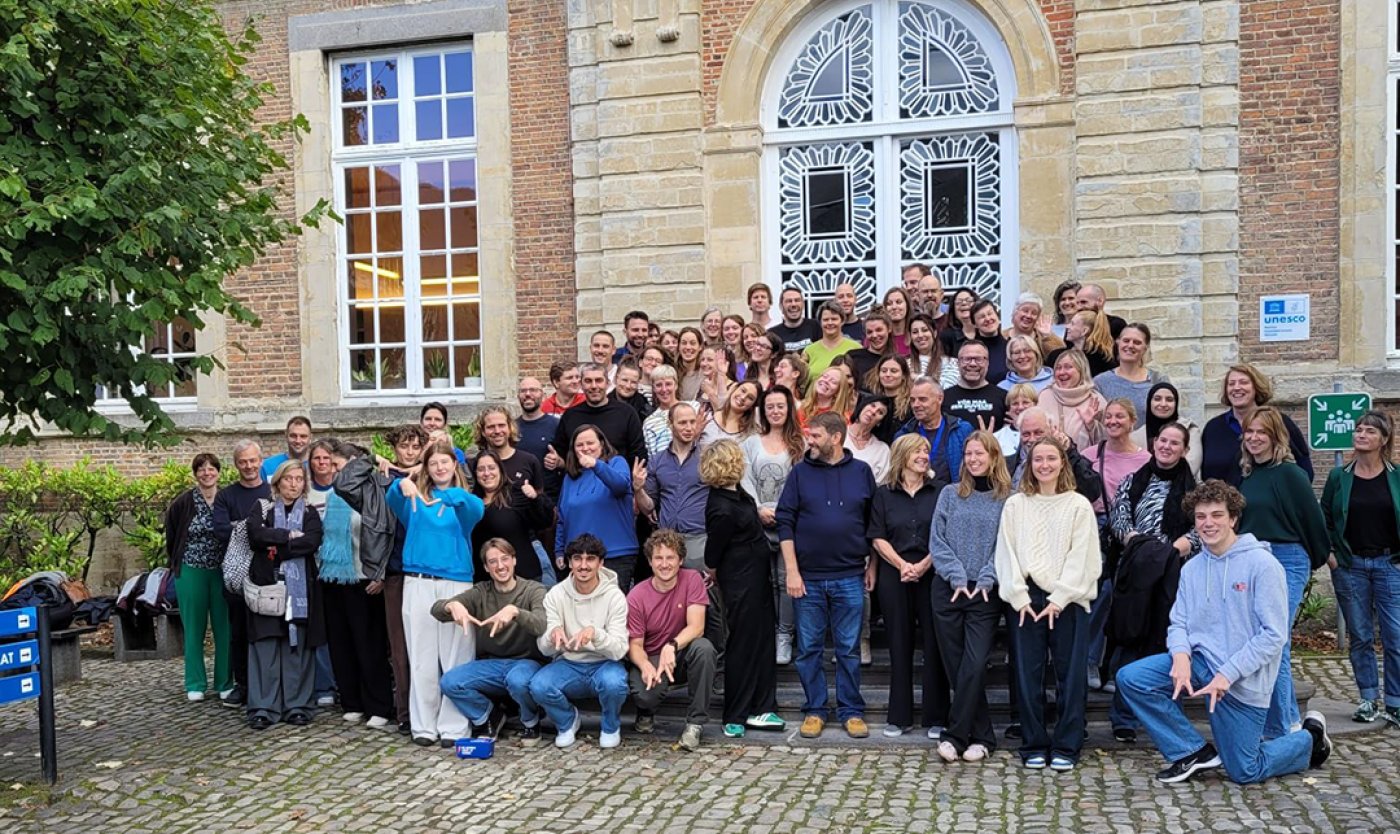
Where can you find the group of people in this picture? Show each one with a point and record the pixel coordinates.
(786, 481)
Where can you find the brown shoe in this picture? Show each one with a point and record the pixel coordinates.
(855, 728)
(812, 726)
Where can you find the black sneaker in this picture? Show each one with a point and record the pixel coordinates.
(237, 697)
(529, 736)
(405, 728)
(1126, 735)
(1012, 731)
(1315, 723)
(1182, 769)
(259, 722)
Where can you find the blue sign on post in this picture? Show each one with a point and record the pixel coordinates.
(36, 679)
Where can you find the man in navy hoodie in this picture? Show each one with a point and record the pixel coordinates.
(822, 516)
(1225, 642)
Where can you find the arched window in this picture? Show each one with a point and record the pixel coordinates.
(889, 141)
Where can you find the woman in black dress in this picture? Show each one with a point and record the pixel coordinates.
(738, 552)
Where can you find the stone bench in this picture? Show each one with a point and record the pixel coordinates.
(65, 656)
(162, 639)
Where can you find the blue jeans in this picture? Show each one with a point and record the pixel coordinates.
(1369, 590)
(560, 680)
(547, 575)
(838, 604)
(1237, 726)
(473, 686)
(1067, 644)
(1283, 709)
(325, 676)
(1098, 618)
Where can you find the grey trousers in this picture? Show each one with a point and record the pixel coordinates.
(695, 667)
(281, 680)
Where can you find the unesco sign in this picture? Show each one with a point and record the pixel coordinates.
(1285, 318)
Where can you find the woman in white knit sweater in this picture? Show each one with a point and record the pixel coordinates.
(1047, 566)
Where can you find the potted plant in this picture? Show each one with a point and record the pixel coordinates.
(473, 374)
(438, 374)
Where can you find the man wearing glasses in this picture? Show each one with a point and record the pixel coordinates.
(974, 399)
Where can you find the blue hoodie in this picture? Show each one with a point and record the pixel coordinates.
(599, 501)
(438, 542)
(823, 511)
(1233, 610)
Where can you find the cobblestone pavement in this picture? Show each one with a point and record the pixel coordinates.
(133, 762)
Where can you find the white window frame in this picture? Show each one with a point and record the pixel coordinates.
(886, 130)
(405, 153)
(1392, 180)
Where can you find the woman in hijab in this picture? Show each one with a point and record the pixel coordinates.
(1163, 407)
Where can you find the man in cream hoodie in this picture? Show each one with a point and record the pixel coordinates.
(586, 635)
(1225, 641)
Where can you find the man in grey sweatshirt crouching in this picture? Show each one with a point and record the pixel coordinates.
(1228, 629)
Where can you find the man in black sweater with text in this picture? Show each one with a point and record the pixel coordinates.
(974, 399)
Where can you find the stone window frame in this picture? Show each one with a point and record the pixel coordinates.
(886, 133)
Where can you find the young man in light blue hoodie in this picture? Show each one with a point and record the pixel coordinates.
(1228, 629)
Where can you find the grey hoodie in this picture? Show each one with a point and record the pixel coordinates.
(1233, 610)
(605, 609)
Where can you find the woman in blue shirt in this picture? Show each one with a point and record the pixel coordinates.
(438, 514)
(597, 498)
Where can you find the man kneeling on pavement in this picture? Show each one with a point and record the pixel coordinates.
(666, 628)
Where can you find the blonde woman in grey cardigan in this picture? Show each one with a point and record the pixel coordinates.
(962, 543)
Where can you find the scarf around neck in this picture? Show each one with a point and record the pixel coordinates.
(1175, 524)
(1074, 396)
(283, 519)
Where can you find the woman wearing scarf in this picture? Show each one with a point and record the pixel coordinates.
(1149, 504)
(282, 649)
(1073, 403)
(1163, 407)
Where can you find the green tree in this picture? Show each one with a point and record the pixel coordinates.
(135, 176)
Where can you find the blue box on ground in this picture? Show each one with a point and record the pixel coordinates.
(475, 748)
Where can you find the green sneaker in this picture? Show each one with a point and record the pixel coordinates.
(766, 721)
(1392, 715)
(1366, 712)
(733, 730)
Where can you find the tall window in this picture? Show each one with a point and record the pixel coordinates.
(172, 342)
(405, 164)
(888, 126)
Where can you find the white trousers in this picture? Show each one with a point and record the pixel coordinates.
(433, 648)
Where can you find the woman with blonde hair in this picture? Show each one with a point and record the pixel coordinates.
(736, 419)
(1047, 566)
(1018, 399)
(1072, 402)
(1133, 377)
(738, 550)
(1089, 331)
(1025, 365)
(900, 515)
(833, 391)
(962, 546)
(1281, 509)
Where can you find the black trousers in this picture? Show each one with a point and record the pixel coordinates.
(359, 643)
(905, 605)
(238, 637)
(965, 629)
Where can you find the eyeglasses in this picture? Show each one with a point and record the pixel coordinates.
(973, 360)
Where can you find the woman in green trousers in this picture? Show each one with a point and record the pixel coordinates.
(196, 561)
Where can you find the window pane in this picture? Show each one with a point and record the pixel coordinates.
(362, 370)
(357, 234)
(388, 190)
(434, 323)
(429, 115)
(459, 72)
(463, 227)
(826, 202)
(356, 188)
(829, 82)
(433, 274)
(361, 325)
(186, 380)
(436, 371)
(462, 174)
(391, 323)
(390, 277)
(386, 124)
(181, 336)
(352, 82)
(391, 369)
(430, 182)
(466, 365)
(939, 69)
(466, 321)
(431, 229)
(464, 265)
(386, 79)
(389, 224)
(359, 280)
(460, 120)
(427, 80)
(945, 197)
(353, 122)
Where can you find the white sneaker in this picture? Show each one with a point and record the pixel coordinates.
(892, 731)
(194, 696)
(1094, 681)
(947, 751)
(975, 753)
(784, 649)
(566, 735)
(354, 717)
(935, 732)
(607, 741)
(1110, 687)
(377, 722)
(866, 657)
(325, 701)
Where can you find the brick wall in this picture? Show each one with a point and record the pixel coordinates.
(1290, 84)
(542, 189)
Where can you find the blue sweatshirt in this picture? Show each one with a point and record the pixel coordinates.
(1233, 610)
(599, 501)
(438, 539)
(824, 511)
